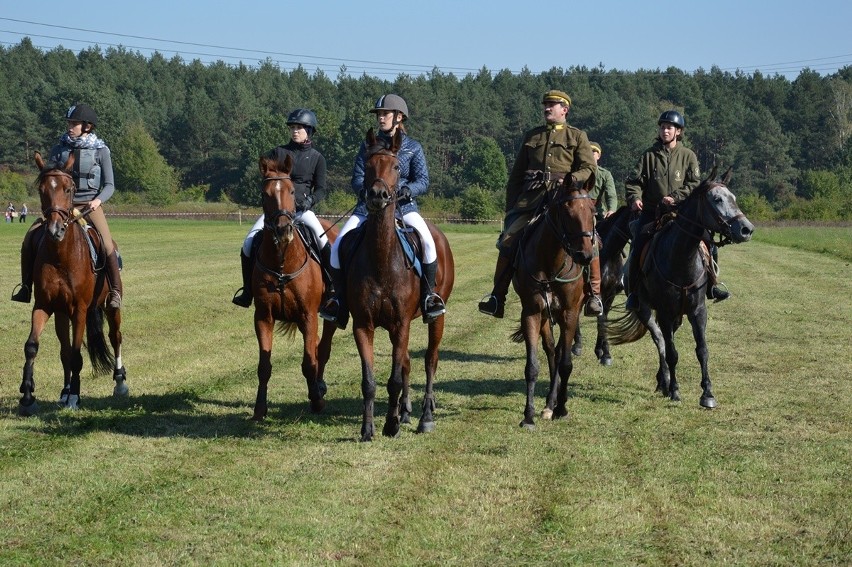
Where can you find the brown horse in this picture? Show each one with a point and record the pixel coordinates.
(384, 291)
(69, 285)
(549, 281)
(288, 286)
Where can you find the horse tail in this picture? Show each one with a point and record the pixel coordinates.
(625, 329)
(518, 336)
(100, 354)
(287, 329)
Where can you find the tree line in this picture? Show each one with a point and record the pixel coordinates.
(186, 131)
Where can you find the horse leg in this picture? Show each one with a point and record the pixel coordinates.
(324, 354)
(565, 366)
(27, 405)
(364, 342)
(668, 329)
(427, 417)
(72, 359)
(263, 328)
(647, 318)
(699, 324)
(398, 381)
(531, 325)
(119, 374)
(602, 344)
(551, 354)
(310, 367)
(577, 349)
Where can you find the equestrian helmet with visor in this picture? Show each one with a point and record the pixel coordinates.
(303, 117)
(672, 117)
(391, 102)
(82, 113)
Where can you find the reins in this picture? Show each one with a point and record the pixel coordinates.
(270, 224)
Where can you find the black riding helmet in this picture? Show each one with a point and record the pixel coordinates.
(672, 117)
(304, 117)
(82, 113)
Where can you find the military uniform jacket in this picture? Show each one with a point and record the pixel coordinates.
(559, 150)
(662, 172)
(606, 199)
(309, 171)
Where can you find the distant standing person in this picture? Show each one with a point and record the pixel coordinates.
(10, 212)
(666, 174)
(95, 183)
(604, 194)
(24, 211)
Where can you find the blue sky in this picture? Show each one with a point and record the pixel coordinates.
(385, 38)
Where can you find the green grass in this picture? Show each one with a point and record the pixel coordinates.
(829, 240)
(178, 474)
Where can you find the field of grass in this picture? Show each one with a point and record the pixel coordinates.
(178, 474)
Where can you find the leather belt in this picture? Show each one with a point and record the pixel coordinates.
(549, 176)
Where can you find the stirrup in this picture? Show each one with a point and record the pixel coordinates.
(23, 294)
(491, 305)
(593, 307)
(241, 298)
(114, 299)
(437, 308)
(334, 313)
(719, 292)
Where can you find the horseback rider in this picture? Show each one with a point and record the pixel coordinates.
(391, 112)
(95, 183)
(549, 155)
(309, 180)
(604, 194)
(666, 174)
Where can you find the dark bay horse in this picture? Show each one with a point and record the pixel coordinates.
(614, 232)
(549, 281)
(70, 286)
(384, 291)
(288, 286)
(675, 278)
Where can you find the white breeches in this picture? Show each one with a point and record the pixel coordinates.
(412, 219)
(307, 217)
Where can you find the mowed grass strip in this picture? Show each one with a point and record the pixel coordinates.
(178, 474)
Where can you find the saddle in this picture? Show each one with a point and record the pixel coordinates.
(652, 229)
(409, 241)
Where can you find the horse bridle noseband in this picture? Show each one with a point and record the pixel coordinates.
(565, 236)
(392, 189)
(270, 223)
(724, 238)
(66, 214)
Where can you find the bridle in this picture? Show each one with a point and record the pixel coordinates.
(391, 189)
(703, 210)
(566, 236)
(65, 214)
(271, 222)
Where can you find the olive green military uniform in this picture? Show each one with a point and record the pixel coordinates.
(548, 155)
(606, 199)
(662, 172)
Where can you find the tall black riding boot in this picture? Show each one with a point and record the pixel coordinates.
(495, 303)
(713, 290)
(113, 274)
(244, 295)
(25, 288)
(633, 270)
(325, 266)
(432, 304)
(335, 309)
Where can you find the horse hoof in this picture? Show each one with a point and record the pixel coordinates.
(577, 349)
(72, 403)
(63, 395)
(426, 427)
(28, 410)
(606, 361)
(121, 390)
(547, 414)
(708, 402)
(405, 418)
(259, 414)
(560, 413)
(675, 395)
(528, 426)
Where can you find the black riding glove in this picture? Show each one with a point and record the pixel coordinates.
(403, 195)
(304, 202)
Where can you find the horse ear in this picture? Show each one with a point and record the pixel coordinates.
(371, 137)
(397, 141)
(727, 177)
(69, 164)
(39, 161)
(712, 175)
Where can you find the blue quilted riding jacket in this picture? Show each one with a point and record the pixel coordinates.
(413, 173)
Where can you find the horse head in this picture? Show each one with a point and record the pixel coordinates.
(56, 190)
(381, 171)
(278, 197)
(718, 211)
(573, 217)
